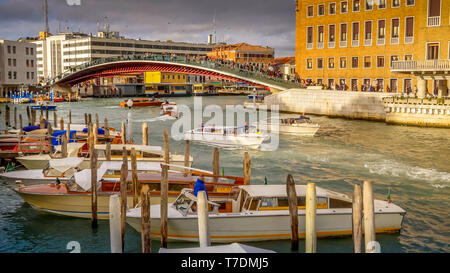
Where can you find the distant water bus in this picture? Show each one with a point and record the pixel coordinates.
(169, 90)
(207, 89)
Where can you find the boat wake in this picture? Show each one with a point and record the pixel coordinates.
(392, 168)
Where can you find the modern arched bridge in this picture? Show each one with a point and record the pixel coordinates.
(109, 67)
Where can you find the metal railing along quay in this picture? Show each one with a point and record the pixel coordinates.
(238, 72)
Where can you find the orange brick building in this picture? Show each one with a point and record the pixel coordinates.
(243, 53)
(356, 43)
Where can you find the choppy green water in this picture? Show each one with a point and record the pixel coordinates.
(413, 161)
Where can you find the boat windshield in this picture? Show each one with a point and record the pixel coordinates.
(186, 203)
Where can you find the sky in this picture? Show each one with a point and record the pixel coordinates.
(260, 22)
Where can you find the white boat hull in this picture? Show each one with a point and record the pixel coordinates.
(226, 140)
(298, 129)
(40, 162)
(245, 228)
(30, 177)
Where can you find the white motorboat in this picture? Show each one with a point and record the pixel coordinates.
(299, 126)
(261, 213)
(169, 109)
(63, 169)
(228, 136)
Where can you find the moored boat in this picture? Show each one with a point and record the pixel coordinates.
(73, 198)
(245, 136)
(63, 169)
(144, 154)
(261, 213)
(169, 109)
(299, 126)
(141, 103)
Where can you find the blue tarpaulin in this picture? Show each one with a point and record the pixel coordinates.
(100, 131)
(56, 141)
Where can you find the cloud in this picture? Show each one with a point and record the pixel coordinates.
(263, 22)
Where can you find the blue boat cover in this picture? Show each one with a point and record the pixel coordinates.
(100, 131)
(56, 134)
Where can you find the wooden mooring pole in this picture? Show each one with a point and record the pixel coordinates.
(357, 219)
(94, 158)
(203, 219)
(165, 191)
(293, 211)
(41, 122)
(21, 125)
(28, 115)
(15, 117)
(61, 124)
(134, 177)
(7, 116)
(216, 166)
(64, 146)
(123, 195)
(106, 129)
(310, 228)
(85, 118)
(33, 117)
(46, 114)
(70, 116)
(145, 133)
(108, 151)
(115, 224)
(55, 120)
(247, 168)
(124, 134)
(145, 220)
(369, 218)
(187, 163)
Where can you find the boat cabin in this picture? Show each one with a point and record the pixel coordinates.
(260, 198)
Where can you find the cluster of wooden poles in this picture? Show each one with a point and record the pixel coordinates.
(360, 200)
(118, 203)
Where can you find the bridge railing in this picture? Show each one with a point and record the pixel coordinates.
(233, 70)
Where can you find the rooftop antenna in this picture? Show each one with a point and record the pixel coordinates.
(98, 26)
(47, 29)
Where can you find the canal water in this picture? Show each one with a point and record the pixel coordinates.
(413, 161)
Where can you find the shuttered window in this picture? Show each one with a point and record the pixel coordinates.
(331, 33)
(409, 26)
(434, 8)
(368, 30)
(343, 32)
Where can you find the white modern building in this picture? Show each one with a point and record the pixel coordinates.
(18, 67)
(58, 53)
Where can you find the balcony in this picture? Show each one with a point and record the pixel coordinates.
(434, 21)
(309, 46)
(331, 44)
(394, 40)
(409, 40)
(343, 44)
(421, 66)
(367, 42)
(381, 41)
(355, 43)
(320, 45)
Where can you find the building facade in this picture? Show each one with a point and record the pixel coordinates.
(59, 53)
(243, 53)
(17, 66)
(286, 66)
(353, 44)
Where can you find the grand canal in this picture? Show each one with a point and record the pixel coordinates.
(413, 161)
